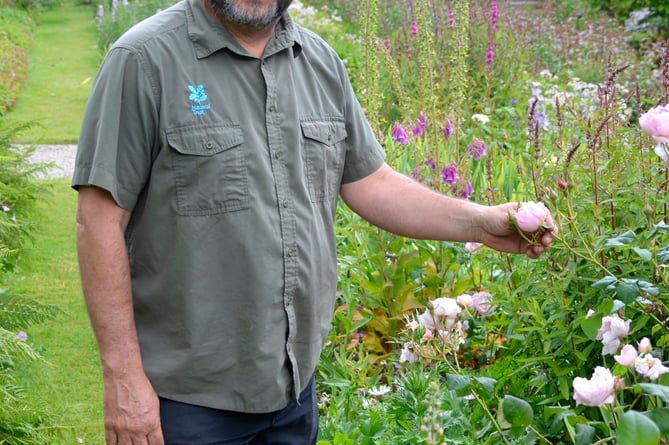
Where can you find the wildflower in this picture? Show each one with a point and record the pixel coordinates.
(5, 208)
(590, 313)
(490, 54)
(649, 366)
(430, 163)
(476, 148)
(101, 11)
(612, 330)
(531, 216)
(480, 118)
(420, 126)
(449, 174)
(597, 391)
(400, 135)
(627, 355)
(494, 13)
(408, 354)
(451, 19)
(428, 335)
(22, 336)
(644, 346)
(414, 28)
(562, 184)
(448, 129)
(468, 191)
(378, 391)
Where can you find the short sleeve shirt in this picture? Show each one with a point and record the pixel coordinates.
(231, 167)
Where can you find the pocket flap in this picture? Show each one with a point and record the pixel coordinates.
(204, 141)
(324, 131)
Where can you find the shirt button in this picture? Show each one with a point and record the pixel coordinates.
(329, 137)
(284, 203)
(272, 108)
(209, 145)
(277, 155)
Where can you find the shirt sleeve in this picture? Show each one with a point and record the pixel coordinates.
(364, 152)
(118, 132)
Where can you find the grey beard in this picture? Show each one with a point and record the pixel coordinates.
(230, 12)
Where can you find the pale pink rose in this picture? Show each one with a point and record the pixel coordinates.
(644, 346)
(627, 355)
(612, 330)
(531, 216)
(465, 300)
(649, 366)
(481, 301)
(597, 391)
(655, 123)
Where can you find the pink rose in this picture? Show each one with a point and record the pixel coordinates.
(627, 355)
(655, 123)
(531, 216)
(644, 346)
(597, 391)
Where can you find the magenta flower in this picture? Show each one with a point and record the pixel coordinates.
(494, 13)
(400, 135)
(449, 174)
(451, 19)
(476, 148)
(22, 336)
(414, 28)
(430, 163)
(420, 126)
(468, 191)
(448, 129)
(490, 54)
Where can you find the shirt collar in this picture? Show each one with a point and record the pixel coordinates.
(209, 36)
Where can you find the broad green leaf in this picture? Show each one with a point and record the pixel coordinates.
(604, 282)
(621, 240)
(584, 434)
(636, 429)
(661, 418)
(591, 326)
(516, 411)
(654, 389)
(645, 254)
(487, 383)
(627, 291)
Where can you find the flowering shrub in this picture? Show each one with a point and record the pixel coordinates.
(478, 347)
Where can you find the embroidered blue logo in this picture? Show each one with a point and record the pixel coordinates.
(199, 96)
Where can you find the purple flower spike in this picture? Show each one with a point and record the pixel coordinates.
(449, 174)
(400, 135)
(476, 148)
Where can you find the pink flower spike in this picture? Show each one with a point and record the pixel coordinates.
(531, 216)
(627, 355)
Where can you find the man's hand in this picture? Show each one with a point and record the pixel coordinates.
(499, 233)
(132, 411)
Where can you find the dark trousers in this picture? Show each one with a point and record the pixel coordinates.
(296, 424)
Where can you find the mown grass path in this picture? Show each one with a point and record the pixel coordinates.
(63, 63)
(70, 385)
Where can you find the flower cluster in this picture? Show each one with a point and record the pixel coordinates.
(601, 388)
(442, 327)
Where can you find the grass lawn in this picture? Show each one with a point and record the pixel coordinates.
(71, 386)
(63, 63)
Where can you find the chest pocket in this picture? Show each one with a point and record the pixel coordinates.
(209, 169)
(324, 155)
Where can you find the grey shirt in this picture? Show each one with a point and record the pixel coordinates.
(231, 166)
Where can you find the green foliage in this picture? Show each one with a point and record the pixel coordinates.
(561, 107)
(114, 18)
(15, 42)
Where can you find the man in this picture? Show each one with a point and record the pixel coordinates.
(216, 141)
